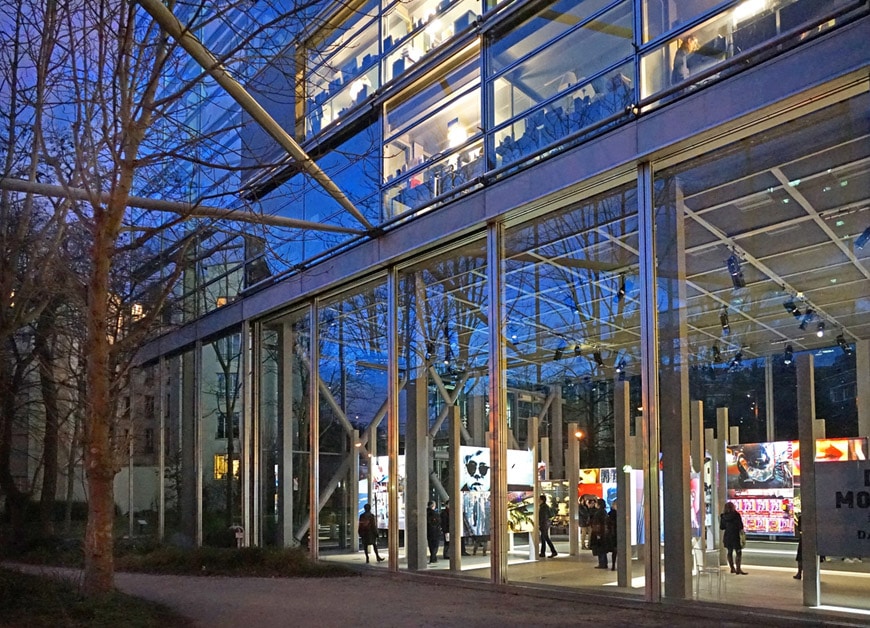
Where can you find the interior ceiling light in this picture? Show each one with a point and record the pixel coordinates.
(845, 346)
(717, 354)
(735, 272)
(723, 320)
(577, 351)
(620, 293)
(820, 329)
(788, 358)
(862, 239)
(559, 352)
(736, 360)
(620, 366)
(807, 318)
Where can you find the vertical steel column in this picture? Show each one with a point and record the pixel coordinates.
(314, 435)
(197, 431)
(161, 450)
(573, 463)
(649, 382)
(622, 429)
(497, 401)
(808, 433)
(770, 427)
(453, 490)
(249, 448)
(862, 372)
(393, 416)
(696, 413)
(534, 432)
(286, 393)
(720, 474)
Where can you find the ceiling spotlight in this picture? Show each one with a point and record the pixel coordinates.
(430, 349)
(620, 293)
(620, 366)
(807, 318)
(723, 319)
(846, 347)
(735, 272)
(559, 352)
(791, 308)
(820, 329)
(597, 357)
(717, 354)
(736, 360)
(577, 351)
(788, 358)
(862, 239)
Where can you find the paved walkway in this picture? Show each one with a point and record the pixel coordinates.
(382, 600)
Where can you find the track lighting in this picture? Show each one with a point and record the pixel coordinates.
(577, 351)
(620, 366)
(791, 308)
(737, 360)
(820, 329)
(845, 346)
(723, 319)
(735, 272)
(620, 293)
(807, 318)
(559, 352)
(788, 358)
(717, 354)
(596, 355)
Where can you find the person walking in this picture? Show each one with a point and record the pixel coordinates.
(433, 531)
(598, 540)
(731, 524)
(545, 514)
(368, 532)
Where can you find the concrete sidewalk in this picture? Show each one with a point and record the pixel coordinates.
(385, 600)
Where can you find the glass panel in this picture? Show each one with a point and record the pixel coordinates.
(582, 106)
(418, 189)
(659, 16)
(342, 82)
(443, 349)
(745, 27)
(334, 39)
(180, 449)
(221, 404)
(566, 64)
(572, 336)
(547, 24)
(352, 332)
(770, 234)
(413, 29)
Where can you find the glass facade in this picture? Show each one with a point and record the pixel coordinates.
(661, 336)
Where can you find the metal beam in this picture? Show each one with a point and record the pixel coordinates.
(172, 207)
(168, 22)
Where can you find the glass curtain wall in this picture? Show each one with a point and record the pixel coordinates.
(764, 277)
(221, 407)
(352, 400)
(443, 412)
(572, 349)
(180, 447)
(285, 423)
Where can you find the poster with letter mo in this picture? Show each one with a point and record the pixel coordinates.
(843, 508)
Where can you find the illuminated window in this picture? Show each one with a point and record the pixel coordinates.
(220, 467)
(221, 301)
(222, 425)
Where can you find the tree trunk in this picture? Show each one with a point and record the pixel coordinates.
(11, 380)
(44, 354)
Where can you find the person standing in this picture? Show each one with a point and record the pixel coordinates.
(800, 546)
(445, 527)
(611, 535)
(433, 531)
(731, 524)
(368, 532)
(584, 519)
(545, 514)
(598, 541)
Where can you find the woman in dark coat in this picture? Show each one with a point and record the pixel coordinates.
(731, 524)
(368, 532)
(598, 539)
(610, 536)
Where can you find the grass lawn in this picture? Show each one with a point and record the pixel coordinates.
(36, 602)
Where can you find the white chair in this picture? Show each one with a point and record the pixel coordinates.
(707, 566)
